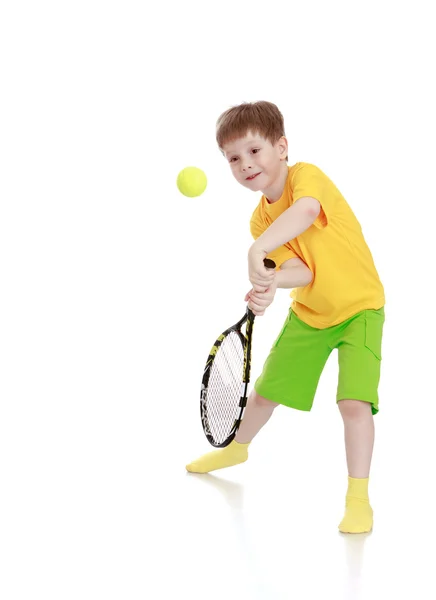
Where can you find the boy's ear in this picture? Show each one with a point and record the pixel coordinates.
(282, 146)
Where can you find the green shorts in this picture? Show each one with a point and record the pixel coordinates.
(292, 370)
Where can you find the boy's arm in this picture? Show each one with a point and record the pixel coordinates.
(293, 273)
(285, 228)
(296, 219)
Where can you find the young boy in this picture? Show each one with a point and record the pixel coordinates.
(306, 226)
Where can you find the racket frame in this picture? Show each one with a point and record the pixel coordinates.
(246, 340)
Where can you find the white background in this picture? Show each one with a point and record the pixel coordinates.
(113, 287)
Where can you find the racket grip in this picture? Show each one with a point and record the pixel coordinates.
(269, 264)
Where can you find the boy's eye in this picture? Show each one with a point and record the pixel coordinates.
(255, 150)
(233, 159)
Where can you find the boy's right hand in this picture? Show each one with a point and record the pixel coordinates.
(258, 302)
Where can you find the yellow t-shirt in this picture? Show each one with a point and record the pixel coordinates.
(345, 280)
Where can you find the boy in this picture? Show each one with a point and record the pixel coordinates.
(306, 226)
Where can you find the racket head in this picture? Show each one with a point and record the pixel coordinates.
(225, 381)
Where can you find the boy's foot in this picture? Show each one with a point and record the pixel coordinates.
(233, 454)
(358, 516)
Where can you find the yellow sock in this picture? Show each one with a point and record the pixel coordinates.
(231, 455)
(358, 511)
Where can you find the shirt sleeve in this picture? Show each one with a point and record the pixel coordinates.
(308, 180)
(279, 255)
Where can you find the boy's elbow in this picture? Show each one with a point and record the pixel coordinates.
(313, 207)
(305, 275)
(309, 206)
(308, 276)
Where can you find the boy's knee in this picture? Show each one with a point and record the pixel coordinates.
(261, 401)
(354, 409)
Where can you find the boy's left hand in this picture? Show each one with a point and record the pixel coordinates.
(260, 277)
(258, 302)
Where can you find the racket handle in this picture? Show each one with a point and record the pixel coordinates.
(269, 264)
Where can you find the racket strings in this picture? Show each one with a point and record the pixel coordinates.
(225, 387)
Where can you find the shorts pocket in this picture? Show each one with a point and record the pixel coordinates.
(374, 321)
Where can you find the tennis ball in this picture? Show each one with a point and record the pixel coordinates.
(191, 182)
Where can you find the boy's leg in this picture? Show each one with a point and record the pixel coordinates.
(257, 413)
(359, 436)
(359, 443)
(359, 352)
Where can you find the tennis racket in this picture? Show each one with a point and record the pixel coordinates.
(225, 381)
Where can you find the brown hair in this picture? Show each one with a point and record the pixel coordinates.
(262, 118)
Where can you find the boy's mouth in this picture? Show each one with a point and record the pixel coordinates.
(252, 177)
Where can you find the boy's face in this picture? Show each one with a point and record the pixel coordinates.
(255, 162)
